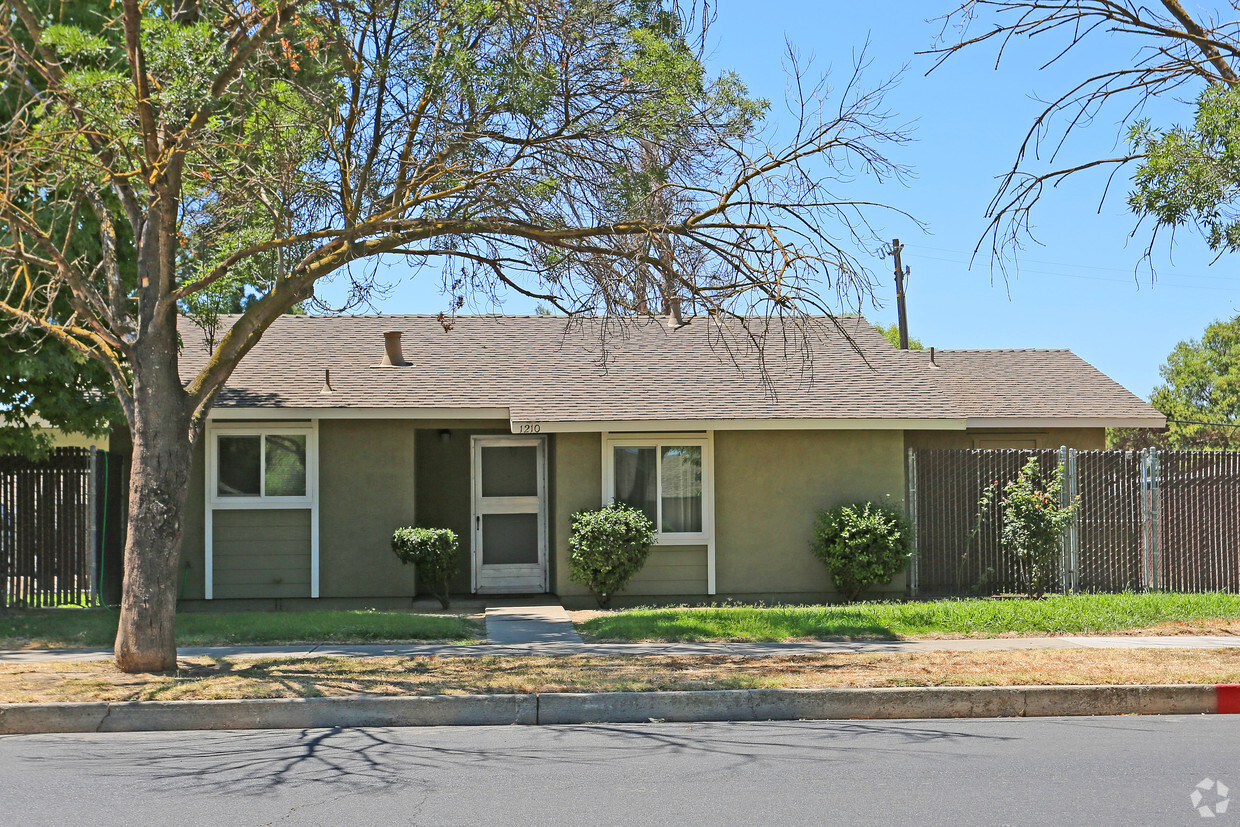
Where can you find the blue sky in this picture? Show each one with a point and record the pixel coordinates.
(1085, 288)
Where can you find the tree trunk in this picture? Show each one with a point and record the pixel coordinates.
(158, 489)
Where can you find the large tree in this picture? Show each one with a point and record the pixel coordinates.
(268, 144)
(1178, 54)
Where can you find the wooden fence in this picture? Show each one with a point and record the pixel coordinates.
(56, 525)
(1165, 520)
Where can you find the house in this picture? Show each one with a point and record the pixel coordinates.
(334, 431)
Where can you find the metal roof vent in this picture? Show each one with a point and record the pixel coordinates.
(393, 356)
(327, 383)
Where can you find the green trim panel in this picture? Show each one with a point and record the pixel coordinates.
(671, 570)
(262, 553)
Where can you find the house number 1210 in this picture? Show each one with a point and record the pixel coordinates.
(529, 428)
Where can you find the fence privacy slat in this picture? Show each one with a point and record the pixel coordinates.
(45, 529)
(1155, 519)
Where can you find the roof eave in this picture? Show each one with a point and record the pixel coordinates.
(276, 413)
(782, 424)
(1067, 422)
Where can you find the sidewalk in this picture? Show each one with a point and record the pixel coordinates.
(564, 648)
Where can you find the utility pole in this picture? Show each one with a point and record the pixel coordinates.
(901, 272)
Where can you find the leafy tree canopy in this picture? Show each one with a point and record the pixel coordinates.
(51, 387)
(1191, 175)
(892, 334)
(1201, 383)
(1178, 52)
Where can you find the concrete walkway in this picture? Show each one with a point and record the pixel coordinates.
(553, 648)
(530, 624)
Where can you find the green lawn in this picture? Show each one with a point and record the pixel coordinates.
(97, 628)
(1077, 614)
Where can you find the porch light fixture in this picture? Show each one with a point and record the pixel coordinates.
(445, 436)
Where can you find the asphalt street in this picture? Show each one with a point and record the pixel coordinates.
(1131, 770)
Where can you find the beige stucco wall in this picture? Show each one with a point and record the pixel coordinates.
(769, 486)
(366, 491)
(69, 439)
(1082, 439)
(575, 472)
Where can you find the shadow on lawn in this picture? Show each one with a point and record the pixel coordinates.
(321, 677)
(336, 677)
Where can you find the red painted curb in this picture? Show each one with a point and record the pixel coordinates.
(1228, 698)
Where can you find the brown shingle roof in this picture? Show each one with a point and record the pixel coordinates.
(1033, 384)
(549, 369)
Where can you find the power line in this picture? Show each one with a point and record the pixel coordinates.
(1053, 274)
(1195, 422)
(969, 254)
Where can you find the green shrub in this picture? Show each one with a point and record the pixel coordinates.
(1034, 519)
(862, 545)
(433, 554)
(607, 547)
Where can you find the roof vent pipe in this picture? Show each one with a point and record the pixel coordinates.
(393, 357)
(327, 383)
(933, 363)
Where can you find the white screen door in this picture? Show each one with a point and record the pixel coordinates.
(510, 514)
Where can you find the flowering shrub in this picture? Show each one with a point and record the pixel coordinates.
(433, 554)
(1033, 522)
(862, 545)
(607, 547)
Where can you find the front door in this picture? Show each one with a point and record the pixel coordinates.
(510, 514)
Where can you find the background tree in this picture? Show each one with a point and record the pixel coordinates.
(1179, 54)
(892, 334)
(268, 144)
(43, 384)
(1201, 390)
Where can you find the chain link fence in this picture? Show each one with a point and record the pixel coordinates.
(1147, 520)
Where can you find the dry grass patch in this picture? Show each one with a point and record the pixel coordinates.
(203, 678)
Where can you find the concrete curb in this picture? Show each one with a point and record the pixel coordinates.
(621, 707)
(270, 713)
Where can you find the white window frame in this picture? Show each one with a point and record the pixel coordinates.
(659, 442)
(214, 502)
(262, 432)
(706, 440)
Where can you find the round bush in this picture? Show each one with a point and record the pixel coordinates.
(862, 545)
(433, 554)
(607, 547)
